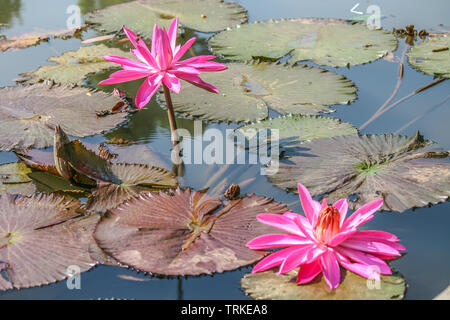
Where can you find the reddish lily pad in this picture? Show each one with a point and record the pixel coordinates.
(29, 114)
(41, 237)
(184, 233)
(368, 167)
(116, 182)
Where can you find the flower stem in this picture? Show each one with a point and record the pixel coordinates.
(171, 115)
(176, 152)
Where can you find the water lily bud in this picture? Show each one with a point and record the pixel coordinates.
(328, 224)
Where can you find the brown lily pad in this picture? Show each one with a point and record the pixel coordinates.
(40, 238)
(29, 114)
(184, 233)
(368, 167)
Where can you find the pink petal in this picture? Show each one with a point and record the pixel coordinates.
(268, 241)
(184, 70)
(183, 49)
(196, 59)
(368, 272)
(280, 222)
(362, 215)
(141, 52)
(370, 246)
(125, 62)
(308, 272)
(172, 82)
(207, 66)
(374, 235)
(330, 269)
(342, 206)
(340, 237)
(303, 225)
(310, 206)
(304, 255)
(123, 76)
(146, 92)
(196, 81)
(272, 260)
(172, 33)
(324, 203)
(365, 258)
(154, 35)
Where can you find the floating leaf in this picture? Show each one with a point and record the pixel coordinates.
(116, 182)
(368, 167)
(432, 56)
(73, 67)
(330, 42)
(246, 91)
(186, 233)
(269, 286)
(141, 16)
(14, 179)
(140, 154)
(303, 127)
(29, 114)
(41, 238)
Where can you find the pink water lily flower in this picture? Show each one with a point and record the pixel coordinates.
(161, 65)
(324, 240)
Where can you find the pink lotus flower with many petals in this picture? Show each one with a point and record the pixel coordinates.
(161, 65)
(324, 240)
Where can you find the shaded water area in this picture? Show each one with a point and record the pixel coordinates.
(424, 232)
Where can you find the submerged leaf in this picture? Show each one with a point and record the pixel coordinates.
(186, 233)
(330, 42)
(73, 67)
(246, 91)
(432, 56)
(303, 127)
(369, 167)
(116, 182)
(42, 239)
(141, 16)
(14, 179)
(29, 114)
(269, 286)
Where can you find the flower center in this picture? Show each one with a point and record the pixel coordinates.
(328, 224)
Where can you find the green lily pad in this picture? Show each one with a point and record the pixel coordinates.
(330, 42)
(269, 286)
(303, 127)
(29, 114)
(42, 238)
(116, 182)
(367, 167)
(141, 16)
(73, 67)
(246, 91)
(432, 56)
(14, 179)
(184, 233)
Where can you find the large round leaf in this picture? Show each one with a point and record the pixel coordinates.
(303, 127)
(269, 286)
(42, 238)
(329, 42)
(141, 16)
(246, 91)
(367, 167)
(185, 233)
(29, 114)
(432, 56)
(14, 179)
(116, 182)
(73, 67)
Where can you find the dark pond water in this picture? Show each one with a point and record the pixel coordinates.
(424, 232)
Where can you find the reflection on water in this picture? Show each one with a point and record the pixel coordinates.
(423, 231)
(10, 9)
